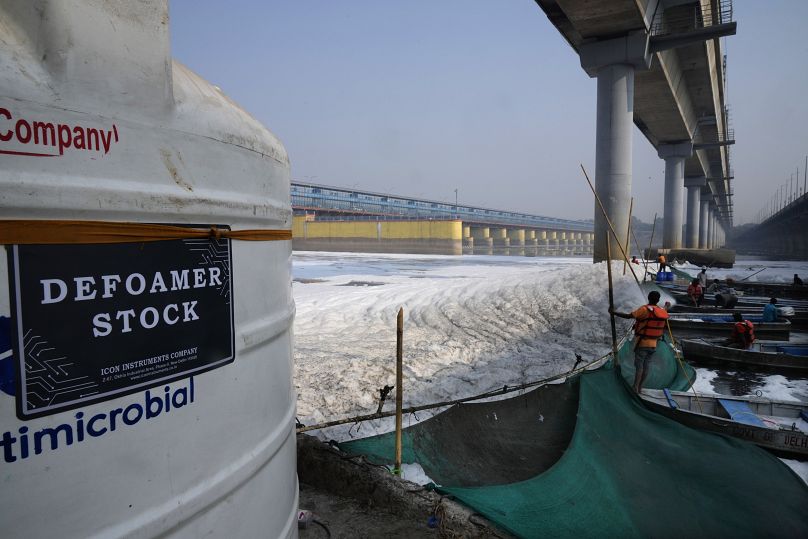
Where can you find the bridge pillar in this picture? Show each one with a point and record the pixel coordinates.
(483, 244)
(704, 219)
(531, 243)
(613, 62)
(693, 185)
(563, 243)
(499, 235)
(674, 156)
(516, 237)
(552, 242)
(541, 237)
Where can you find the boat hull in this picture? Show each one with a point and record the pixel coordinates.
(704, 351)
(778, 331)
(784, 443)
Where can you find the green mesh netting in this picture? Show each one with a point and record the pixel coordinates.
(664, 370)
(538, 468)
(681, 274)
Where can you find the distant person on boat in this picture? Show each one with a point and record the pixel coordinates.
(743, 333)
(702, 276)
(770, 311)
(724, 295)
(649, 326)
(634, 260)
(797, 280)
(695, 292)
(662, 262)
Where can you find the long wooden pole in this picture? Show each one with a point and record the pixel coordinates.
(628, 233)
(611, 298)
(399, 386)
(758, 271)
(608, 222)
(636, 242)
(650, 243)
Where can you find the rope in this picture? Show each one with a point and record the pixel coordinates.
(682, 366)
(49, 232)
(492, 393)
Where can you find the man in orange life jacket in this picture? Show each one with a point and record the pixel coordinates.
(743, 333)
(649, 326)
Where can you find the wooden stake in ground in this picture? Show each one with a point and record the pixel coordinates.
(628, 233)
(399, 386)
(611, 299)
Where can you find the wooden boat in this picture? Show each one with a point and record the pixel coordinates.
(762, 354)
(798, 319)
(777, 426)
(679, 292)
(778, 290)
(706, 324)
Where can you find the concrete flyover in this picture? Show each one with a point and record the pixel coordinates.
(782, 235)
(328, 218)
(659, 66)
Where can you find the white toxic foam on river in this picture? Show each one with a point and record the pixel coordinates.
(471, 324)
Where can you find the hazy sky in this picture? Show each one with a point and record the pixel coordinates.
(419, 97)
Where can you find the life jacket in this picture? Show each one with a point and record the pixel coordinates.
(652, 327)
(661, 259)
(746, 330)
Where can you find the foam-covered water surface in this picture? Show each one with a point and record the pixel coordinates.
(471, 324)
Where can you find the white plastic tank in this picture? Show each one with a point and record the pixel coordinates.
(146, 386)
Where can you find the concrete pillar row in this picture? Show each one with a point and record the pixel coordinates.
(613, 62)
(703, 219)
(674, 156)
(693, 185)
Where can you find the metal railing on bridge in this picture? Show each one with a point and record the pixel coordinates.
(691, 17)
(369, 206)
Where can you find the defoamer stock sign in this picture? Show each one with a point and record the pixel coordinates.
(95, 322)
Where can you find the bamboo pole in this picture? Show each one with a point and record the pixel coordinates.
(745, 278)
(611, 299)
(650, 243)
(682, 365)
(628, 233)
(399, 386)
(636, 242)
(608, 222)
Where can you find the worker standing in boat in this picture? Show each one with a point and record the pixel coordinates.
(702, 277)
(743, 333)
(649, 326)
(662, 262)
(695, 292)
(770, 311)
